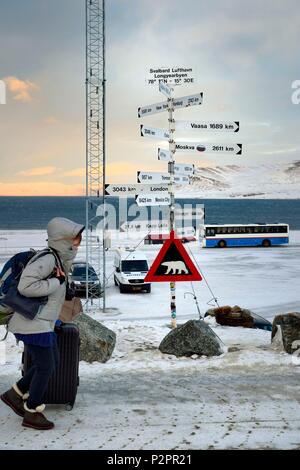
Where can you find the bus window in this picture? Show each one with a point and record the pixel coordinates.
(210, 232)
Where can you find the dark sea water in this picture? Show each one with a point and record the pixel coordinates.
(34, 212)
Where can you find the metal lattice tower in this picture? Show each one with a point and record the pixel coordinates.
(95, 144)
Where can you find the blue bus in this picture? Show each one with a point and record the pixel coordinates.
(229, 235)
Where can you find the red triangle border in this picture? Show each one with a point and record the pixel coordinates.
(194, 276)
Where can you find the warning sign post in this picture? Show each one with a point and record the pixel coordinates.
(173, 264)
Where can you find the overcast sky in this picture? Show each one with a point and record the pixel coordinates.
(246, 53)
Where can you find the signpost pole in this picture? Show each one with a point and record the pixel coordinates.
(172, 203)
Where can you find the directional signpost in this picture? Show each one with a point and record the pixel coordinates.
(184, 169)
(173, 263)
(164, 155)
(133, 189)
(220, 126)
(165, 89)
(186, 231)
(152, 109)
(145, 226)
(200, 147)
(154, 133)
(153, 199)
(186, 101)
(154, 177)
(193, 213)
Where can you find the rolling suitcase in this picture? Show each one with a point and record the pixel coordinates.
(62, 388)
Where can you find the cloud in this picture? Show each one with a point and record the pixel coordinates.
(41, 171)
(42, 188)
(21, 89)
(76, 172)
(50, 120)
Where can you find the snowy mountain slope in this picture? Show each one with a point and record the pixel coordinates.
(261, 181)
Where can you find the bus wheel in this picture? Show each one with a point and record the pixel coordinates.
(222, 244)
(266, 243)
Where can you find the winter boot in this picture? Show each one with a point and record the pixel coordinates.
(15, 399)
(35, 419)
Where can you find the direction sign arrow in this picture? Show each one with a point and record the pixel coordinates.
(176, 103)
(133, 189)
(145, 225)
(153, 177)
(186, 231)
(184, 168)
(190, 213)
(195, 147)
(155, 133)
(165, 89)
(187, 101)
(164, 155)
(216, 126)
(153, 109)
(153, 199)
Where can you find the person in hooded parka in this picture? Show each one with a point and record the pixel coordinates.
(45, 276)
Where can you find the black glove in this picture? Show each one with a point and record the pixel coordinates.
(61, 279)
(70, 291)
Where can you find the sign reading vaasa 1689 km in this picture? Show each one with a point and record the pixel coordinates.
(218, 126)
(176, 103)
(195, 147)
(127, 189)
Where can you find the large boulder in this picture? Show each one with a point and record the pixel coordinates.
(232, 316)
(96, 341)
(194, 337)
(287, 327)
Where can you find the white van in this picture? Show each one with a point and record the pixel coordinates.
(131, 268)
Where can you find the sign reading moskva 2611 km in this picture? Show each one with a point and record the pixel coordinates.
(172, 75)
(195, 147)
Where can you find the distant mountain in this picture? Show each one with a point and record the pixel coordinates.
(261, 181)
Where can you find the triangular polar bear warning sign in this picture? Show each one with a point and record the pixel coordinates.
(173, 264)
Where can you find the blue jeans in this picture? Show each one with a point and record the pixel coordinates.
(45, 361)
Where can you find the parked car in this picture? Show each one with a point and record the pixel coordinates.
(77, 277)
(154, 239)
(131, 268)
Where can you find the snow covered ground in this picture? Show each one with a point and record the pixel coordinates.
(247, 398)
